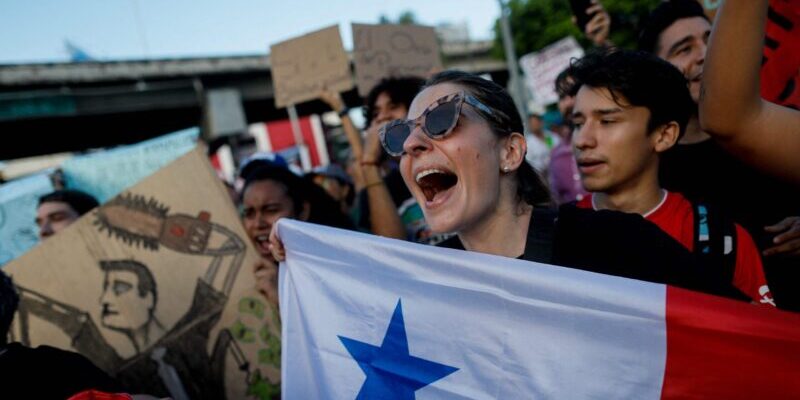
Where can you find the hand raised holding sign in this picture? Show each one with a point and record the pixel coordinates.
(334, 100)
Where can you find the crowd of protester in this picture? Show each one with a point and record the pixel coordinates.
(663, 167)
(630, 144)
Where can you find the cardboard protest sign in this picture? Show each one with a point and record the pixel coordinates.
(385, 50)
(541, 68)
(303, 66)
(105, 174)
(18, 202)
(156, 288)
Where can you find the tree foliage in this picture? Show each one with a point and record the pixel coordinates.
(405, 18)
(538, 23)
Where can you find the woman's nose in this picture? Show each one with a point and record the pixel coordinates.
(416, 142)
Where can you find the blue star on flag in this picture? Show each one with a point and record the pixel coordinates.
(391, 372)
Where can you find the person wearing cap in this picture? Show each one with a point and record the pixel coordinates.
(261, 159)
(540, 140)
(270, 192)
(336, 183)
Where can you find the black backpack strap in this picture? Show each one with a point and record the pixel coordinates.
(453, 242)
(539, 246)
(715, 240)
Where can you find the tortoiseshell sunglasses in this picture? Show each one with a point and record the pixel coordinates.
(437, 121)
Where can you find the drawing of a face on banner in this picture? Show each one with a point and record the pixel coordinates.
(148, 287)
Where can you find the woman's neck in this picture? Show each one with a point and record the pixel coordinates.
(504, 233)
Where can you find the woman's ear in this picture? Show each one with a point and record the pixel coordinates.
(666, 136)
(512, 154)
(305, 212)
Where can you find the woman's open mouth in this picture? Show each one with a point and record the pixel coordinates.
(435, 184)
(262, 244)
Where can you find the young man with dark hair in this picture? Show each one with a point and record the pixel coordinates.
(630, 108)
(677, 31)
(59, 209)
(43, 372)
(390, 99)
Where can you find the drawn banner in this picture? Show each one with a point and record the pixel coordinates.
(386, 50)
(303, 66)
(156, 288)
(18, 202)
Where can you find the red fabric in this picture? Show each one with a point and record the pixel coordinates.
(215, 163)
(282, 137)
(749, 276)
(782, 54)
(585, 202)
(98, 395)
(723, 349)
(676, 217)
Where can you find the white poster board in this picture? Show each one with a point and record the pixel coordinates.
(542, 67)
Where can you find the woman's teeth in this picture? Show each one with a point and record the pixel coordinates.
(427, 172)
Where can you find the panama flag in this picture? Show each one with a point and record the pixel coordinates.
(372, 318)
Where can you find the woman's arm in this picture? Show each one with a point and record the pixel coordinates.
(384, 220)
(761, 133)
(335, 102)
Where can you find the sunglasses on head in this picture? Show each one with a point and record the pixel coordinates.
(437, 121)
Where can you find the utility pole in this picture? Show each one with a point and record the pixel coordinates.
(515, 84)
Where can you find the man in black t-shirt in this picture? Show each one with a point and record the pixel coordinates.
(43, 372)
(678, 31)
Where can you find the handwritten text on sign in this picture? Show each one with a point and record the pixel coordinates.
(393, 50)
(303, 66)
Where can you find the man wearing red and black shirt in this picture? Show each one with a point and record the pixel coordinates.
(675, 216)
(701, 168)
(631, 107)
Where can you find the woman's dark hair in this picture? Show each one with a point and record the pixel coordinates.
(506, 120)
(323, 208)
(637, 78)
(401, 90)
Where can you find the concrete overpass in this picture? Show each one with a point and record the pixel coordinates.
(60, 107)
